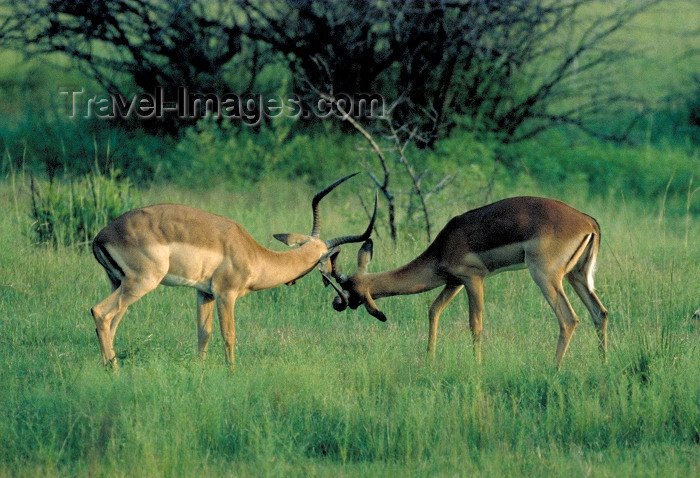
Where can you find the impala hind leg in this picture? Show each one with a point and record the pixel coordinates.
(110, 311)
(205, 310)
(117, 318)
(599, 313)
(551, 286)
(447, 294)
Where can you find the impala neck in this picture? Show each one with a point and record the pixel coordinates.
(277, 268)
(417, 276)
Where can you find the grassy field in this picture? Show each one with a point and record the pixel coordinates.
(321, 393)
(318, 393)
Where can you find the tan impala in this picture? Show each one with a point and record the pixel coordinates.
(549, 238)
(178, 245)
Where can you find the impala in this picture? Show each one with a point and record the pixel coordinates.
(177, 245)
(549, 238)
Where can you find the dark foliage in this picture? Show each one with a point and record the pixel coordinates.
(512, 68)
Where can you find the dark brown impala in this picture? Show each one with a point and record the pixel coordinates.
(549, 238)
(178, 245)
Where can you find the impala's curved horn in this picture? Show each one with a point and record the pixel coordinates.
(335, 272)
(360, 238)
(316, 228)
(340, 303)
(326, 264)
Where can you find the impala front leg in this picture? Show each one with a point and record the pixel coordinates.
(205, 310)
(475, 292)
(447, 294)
(225, 305)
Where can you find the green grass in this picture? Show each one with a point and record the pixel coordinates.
(318, 393)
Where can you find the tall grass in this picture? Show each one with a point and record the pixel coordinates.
(72, 214)
(321, 393)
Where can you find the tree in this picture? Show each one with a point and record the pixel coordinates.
(137, 44)
(511, 68)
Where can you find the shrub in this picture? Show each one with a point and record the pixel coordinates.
(219, 152)
(71, 213)
(650, 171)
(53, 146)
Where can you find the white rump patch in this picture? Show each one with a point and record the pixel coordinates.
(590, 272)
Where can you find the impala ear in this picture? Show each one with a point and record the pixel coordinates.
(292, 239)
(373, 309)
(365, 255)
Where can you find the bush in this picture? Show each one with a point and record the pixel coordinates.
(213, 152)
(52, 145)
(650, 171)
(71, 213)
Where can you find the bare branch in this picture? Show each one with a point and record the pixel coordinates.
(382, 185)
(401, 148)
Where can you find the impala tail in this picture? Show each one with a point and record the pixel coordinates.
(113, 270)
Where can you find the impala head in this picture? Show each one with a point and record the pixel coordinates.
(353, 291)
(324, 249)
